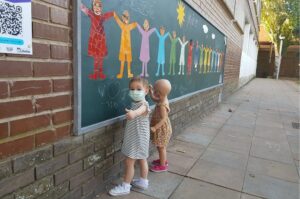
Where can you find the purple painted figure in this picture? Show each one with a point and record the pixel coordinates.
(145, 47)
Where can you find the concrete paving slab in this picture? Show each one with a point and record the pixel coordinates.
(272, 133)
(161, 185)
(234, 130)
(271, 150)
(269, 123)
(232, 143)
(271, 188)
(192, 189)
(180, 164)
(226, 158)
(196, 138)
(246, 196)
(186, 148)
(132, 195)
(203, 130)
(218, 174)
(274, 169)
(241, 122)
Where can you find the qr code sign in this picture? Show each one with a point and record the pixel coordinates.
(10, 19)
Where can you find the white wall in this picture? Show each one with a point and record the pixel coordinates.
(249, 56)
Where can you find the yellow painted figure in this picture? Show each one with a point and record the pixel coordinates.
(206, 50)
(208, 60)
(125, 46)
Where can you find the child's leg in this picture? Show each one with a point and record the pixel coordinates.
(120, 75)
(162, 155)
(129, 170)
(130, 75)
(143, 169)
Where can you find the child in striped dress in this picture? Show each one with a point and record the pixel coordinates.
(136, 138)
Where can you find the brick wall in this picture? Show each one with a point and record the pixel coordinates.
(36, 91)
(82, 166)
(38, 156)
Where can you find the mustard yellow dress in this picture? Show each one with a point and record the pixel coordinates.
(163, 134)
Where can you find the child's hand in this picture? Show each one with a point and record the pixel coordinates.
(153, 129)
(150, 87)
(130, 114)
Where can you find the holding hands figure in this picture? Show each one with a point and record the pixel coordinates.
(161, 128)
(136, 138)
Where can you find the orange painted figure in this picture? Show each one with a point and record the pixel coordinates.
(125, 46)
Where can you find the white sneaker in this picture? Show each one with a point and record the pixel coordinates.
(122, 189)
(140, 183)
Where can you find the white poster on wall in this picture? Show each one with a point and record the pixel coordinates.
(15, 27)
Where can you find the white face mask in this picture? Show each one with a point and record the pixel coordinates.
(137, 95)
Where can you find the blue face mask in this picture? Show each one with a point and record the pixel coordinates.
(137, 95)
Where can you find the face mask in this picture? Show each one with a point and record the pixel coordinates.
(137, 95)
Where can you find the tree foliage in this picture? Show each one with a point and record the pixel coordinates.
(281, 17)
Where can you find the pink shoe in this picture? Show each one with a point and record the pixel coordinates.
(159, 168)
(157, 162)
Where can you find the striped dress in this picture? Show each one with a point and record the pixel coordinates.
(137, 134)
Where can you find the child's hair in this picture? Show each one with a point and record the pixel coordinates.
(141, 80)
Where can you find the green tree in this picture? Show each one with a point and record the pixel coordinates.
(281, 17)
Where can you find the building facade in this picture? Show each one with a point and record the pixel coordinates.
(40, 157)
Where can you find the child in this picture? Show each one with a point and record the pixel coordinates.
(136, 138)
(161, 128)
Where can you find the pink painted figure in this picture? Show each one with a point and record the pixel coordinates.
(97, 39)
(145, 47)
(190, 57)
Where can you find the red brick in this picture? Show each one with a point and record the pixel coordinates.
(50, 103)
(3, 90)
(63, 116)
(51, 136)
(59, 16)
(61, 3)
(63, 131)
(22, 88)
(41, 50)
(60, 85)
(15, 69)
(61, 52)
(45, 137)
(47, 69)
(29, 124)
(14, 108)
(40, 11)
(54, 33)
(16, 146)
(3, 130)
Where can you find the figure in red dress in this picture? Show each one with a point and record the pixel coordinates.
(190, 58)
(97, 39)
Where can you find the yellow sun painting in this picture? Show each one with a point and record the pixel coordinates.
(181, 13)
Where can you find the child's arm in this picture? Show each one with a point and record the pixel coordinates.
(117, 19)
(164, 116)
(133, 114)
(155, 99)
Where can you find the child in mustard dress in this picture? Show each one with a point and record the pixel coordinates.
(161, 129)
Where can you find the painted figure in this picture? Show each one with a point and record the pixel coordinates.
(97, 39)
(196, 55)
(212, 62)
(174, 41)
(209, 59)
(201, 59)
(183, 43)
(216, 61)
(145, 47)
(190, 57)
(161, 50)
(206, 51)
(125, 47)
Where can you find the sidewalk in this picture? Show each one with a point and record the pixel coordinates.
(249, 153)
